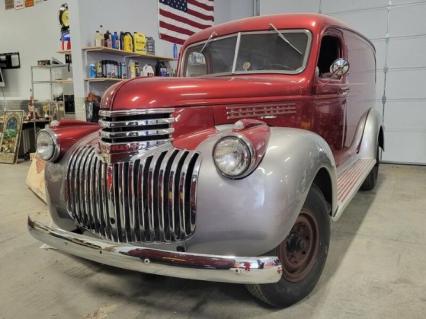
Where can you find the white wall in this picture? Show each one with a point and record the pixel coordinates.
(34, 33)
(398, 30)
(226, 10)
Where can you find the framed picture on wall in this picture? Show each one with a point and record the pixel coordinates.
(11, 136)
(9, 4)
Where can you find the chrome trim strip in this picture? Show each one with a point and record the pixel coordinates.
(231, 269)
(131, 112)
(135, 123)
(105, 147)
(140, 133)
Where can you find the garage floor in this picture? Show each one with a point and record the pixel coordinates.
(376, 266)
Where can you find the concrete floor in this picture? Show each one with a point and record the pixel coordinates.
(376, 266)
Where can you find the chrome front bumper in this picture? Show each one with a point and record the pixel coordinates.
(231, 269)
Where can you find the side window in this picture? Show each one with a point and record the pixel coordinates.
(330, 50)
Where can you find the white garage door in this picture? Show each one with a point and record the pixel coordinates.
(398, 30)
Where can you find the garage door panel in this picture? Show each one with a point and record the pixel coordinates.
(406, 84)
(274, 6)
(380, 46)
(406, 115)
(371, 23)
(337, 6)
(380, 78)
(407, 20)
(405, 2)
(407, 52)
(405, 147)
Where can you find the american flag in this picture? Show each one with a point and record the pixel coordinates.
(179, 19)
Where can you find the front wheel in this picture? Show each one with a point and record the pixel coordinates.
(302, 254)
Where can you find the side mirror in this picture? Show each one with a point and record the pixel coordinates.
(339, 68)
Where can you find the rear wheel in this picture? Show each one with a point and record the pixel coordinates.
(371, 180)
(303, 254)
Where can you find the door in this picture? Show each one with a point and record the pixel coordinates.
(330, 102)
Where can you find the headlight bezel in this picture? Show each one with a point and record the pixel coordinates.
(251, 161)
(56, 146)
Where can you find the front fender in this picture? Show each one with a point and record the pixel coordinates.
(253, 215)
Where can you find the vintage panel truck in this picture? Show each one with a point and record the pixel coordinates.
(230, 172)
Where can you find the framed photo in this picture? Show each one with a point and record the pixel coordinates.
(12, 130)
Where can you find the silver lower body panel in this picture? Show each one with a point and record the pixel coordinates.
(231, 269)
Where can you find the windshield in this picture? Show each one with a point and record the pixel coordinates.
(257, 52)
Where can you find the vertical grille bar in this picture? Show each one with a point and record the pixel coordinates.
(76, 188)
(98, 197)
(151, 198)
(125, 205)
(193, 192)
(182, 196)
(163, 179)
(86, 183)
(171, 196)
(140, 199)
(79, 180)
(131, 198)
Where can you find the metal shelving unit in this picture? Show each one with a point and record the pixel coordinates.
(52, 81)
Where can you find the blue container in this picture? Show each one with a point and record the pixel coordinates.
(92, 71)
(175, 51)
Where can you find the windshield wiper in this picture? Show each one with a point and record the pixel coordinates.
(208, 41)
(285, 39)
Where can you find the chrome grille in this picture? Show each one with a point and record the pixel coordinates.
(140, 128)
(149, 198)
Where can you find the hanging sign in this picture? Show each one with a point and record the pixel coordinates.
(9, 142)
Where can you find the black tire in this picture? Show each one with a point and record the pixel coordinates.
(297, 283)
(371, 180)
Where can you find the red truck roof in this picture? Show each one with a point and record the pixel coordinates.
(311, 21)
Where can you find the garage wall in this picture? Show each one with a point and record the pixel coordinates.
(398, 30)
(34, 33)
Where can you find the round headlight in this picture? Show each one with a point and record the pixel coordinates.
(232, 156)
(47, 148)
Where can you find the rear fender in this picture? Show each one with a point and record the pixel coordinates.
(254, 214)
(372, 135)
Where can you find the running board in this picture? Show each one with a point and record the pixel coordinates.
(349, 182)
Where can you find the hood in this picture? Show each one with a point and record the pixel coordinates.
(177, 92)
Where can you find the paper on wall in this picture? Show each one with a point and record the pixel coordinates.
(19, 4)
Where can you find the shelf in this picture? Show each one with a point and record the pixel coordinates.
(64, 51)
(54, 82)
(103, 79)
(51, 66)
(127, 54)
